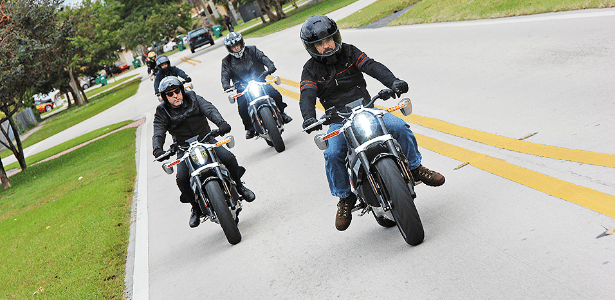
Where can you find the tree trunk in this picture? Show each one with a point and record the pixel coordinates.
(85, 98)
(279, 10)
(74, 87)
(264, 4)
(3, 177)
(19, 153)
(67, 94)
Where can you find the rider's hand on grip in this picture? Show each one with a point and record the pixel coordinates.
(158, 152)
(309, 122)
(386, 94)
(224, 128)
(400, 87)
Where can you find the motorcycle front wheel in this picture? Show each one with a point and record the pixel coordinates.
(218, 202)
(272, 128)
(400, 198)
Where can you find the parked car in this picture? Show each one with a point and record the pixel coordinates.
(199, 37)
(87, 81)
(119, 67)
(46, 102)
(169, 46)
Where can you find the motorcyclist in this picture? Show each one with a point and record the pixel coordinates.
(163, 64)
(184, 114)
(151, 63)
(243, 64)
(334, 74)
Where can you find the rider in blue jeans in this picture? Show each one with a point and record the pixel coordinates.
(334, 75)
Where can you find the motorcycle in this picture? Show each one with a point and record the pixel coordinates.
(214, 190)
(378, 171)
(265, 115)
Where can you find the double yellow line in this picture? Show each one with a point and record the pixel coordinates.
(589, 198)
(190, 61)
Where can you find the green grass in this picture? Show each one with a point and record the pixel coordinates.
(64, 224)
(67, 145)
(111, 83)
(77, 114)
(430, 11)
(374, 12)
(296, 17)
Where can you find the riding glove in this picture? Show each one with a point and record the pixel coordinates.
(224, 128)
(310, 121)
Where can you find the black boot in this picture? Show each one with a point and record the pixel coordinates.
(195, 216)
(250, 133)
(286, 118)
(246, 193)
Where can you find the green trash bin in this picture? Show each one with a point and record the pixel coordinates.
(217, 30)
(180, 45)
(101, 79)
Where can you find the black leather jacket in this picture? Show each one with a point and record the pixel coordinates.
(251, 65)
(340, 83)
(184, 122)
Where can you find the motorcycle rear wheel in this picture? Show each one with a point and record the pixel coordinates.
(272, 128)
(400, 198)
(218, 202)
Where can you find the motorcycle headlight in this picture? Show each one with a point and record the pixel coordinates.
(198, 155)
(365, 127)
(255, 90)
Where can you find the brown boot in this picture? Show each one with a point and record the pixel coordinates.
(427, 176)
(344, 212)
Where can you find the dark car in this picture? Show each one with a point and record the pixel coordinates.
(119, 67)
(199, 37)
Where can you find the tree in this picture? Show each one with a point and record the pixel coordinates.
(30, 37)
(155, 23)
(95, 41)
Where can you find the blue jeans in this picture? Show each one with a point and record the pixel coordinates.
(335, 166)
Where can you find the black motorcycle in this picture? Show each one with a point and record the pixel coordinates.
(378, 170)
(265, 115)
(214, 190)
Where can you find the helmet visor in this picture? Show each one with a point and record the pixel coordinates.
(326, 46)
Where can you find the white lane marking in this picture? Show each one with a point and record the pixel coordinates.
(140, 285)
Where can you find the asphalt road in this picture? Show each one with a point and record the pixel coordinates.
(495, 230)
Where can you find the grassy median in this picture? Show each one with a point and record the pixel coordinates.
(64, 224)
(68, 118)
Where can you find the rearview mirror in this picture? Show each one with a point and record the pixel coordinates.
(407, 109)
(277, 79)
(320, 142)
(231, 99)
(231, 141)
(167, 169)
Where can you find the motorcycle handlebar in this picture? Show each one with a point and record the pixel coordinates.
(175, 147)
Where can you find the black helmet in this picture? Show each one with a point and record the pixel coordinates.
(233, 39)
(161, 60)
(317, 28)
(170, 83)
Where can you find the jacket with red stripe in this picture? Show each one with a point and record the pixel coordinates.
(340, 83)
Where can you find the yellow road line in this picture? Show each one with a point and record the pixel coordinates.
(186, 61)
(582, 156)
(586, 197)
(191, 59)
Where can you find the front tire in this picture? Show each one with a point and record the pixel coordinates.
(218, 203)
(272, 128)
(398, 193)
